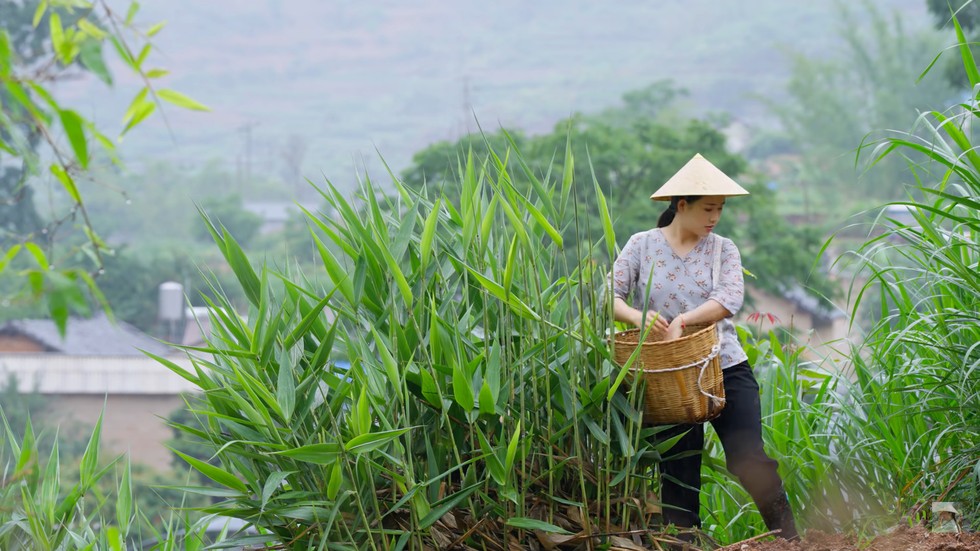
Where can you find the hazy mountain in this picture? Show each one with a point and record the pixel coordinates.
(330, 81)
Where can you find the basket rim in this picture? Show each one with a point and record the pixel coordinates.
(697, 334)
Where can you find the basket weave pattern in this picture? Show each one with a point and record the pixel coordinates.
(683, 378)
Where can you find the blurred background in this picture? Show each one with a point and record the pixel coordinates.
(301, 93)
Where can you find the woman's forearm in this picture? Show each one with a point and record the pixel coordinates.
(709, 312)
(625, 313)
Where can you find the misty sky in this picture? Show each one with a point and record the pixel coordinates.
(343, 78)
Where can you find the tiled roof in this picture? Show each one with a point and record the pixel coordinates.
(95, 336)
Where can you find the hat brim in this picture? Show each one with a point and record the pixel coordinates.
(698, 178)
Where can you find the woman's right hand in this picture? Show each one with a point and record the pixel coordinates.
(659, 323)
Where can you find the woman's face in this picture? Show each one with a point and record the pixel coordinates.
(701, 216)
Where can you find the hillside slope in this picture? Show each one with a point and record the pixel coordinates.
(332, 81)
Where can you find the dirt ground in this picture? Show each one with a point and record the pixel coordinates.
(915, 538)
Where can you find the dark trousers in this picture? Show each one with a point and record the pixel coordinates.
(740, 429)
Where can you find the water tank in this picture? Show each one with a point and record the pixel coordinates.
(171, 307)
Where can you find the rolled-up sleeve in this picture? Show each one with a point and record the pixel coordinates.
(625, 269)
(730, 291)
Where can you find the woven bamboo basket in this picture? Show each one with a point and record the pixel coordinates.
(683, 379)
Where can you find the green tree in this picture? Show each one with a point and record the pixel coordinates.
(630, 160)
(631, 149)
(228, 211)
(436, 168)
(18, 215)
(62, 39)
(132, 280)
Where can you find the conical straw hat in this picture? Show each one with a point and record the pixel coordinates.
(698, 177)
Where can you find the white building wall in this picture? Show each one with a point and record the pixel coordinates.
(134, 394)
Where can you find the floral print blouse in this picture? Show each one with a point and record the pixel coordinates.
(679, 284)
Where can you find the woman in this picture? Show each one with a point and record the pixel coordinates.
(679, 252)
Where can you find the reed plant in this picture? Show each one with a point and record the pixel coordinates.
(480, 406)
(863, 447)
(917, 389)
(39, 511)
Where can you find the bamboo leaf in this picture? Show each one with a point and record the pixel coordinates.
(462, 389)
(542, 221)
(152, 31)
(428, 235)
(486, 225)
(134, 7)
(74, 128)
(361, 419)
(338, 274)
(440, 508)
(286, 386)
(510, 266)
(8, 256)
(512, 449)
(959, 137)
(28, 446)
(67, 182)
(969, 63)
(498, 291)
(388, 362)
(138, 112)
(409, 221)
(318, 454)
(123, 52)
(396, 272)
(91, 29)
(38, 254)
(92, 58)
(373, 440)
(487, 403)
(239, 264)
(516, 223)
(494, 465)
(217, 474)
(336, 479)
(308, 320)
(89, 464)
(42, 7)
(141, 57)
(180, 100)
(6, 54)
(607, 227)
(57, 33)
(273, 483)
(124, 499)
(525, 523)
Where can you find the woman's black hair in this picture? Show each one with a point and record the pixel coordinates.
(667, 216)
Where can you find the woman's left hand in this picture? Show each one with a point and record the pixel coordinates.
(675, 330)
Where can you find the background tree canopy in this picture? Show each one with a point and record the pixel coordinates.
(629, 150)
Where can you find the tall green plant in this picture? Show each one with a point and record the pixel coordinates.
(918, 389)
(38, 512)
(480, 403)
